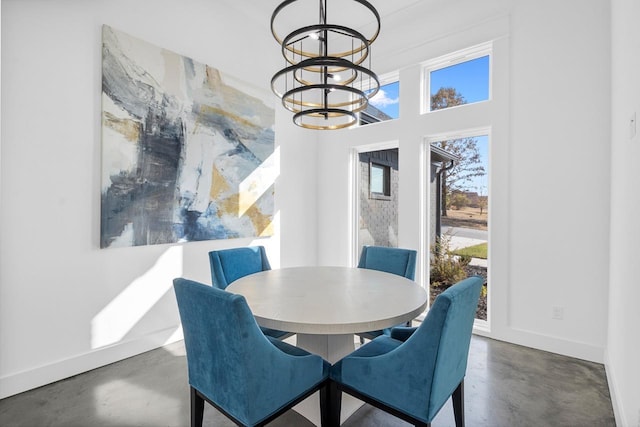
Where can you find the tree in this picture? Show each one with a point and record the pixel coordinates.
(470, 165)
(482, 203)
(446, 97)
(458, 200)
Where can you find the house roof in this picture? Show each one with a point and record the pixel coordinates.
(372, 114)
(440, 155)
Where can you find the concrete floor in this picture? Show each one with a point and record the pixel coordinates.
(506, 385)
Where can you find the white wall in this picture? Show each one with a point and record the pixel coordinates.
(550, 127)
(67, 306)
(560, 130)
(623, 345)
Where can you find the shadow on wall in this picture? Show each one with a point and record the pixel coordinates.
(148, 301)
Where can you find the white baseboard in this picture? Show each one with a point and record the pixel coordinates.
(548, 343)
(618, 411)
(29, 379)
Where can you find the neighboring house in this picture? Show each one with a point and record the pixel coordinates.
(379, 198)
(379, 195)
(378, 190)
(372, 114)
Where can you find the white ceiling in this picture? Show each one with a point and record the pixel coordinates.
(260, 11)
(405, 24)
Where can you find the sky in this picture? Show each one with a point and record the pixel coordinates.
(480, 184)
(470, 79)
(387, 99)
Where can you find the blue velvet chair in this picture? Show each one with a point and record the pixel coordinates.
(249, 377)
(412, 373)
(401, 262)
(229, 265)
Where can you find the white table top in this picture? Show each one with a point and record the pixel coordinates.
(330, 300)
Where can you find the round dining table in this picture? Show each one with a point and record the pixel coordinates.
(323, 305)
(326, 306)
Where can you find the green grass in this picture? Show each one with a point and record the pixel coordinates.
(476, 251)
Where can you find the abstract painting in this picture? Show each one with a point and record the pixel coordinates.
(187, 151)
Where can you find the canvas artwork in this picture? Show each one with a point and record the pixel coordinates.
(187, 151)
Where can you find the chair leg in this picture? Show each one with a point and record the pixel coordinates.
(325, 405)
(335, 404)
(197, 408)
(458, 404)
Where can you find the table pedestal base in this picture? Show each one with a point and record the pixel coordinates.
(332, 348)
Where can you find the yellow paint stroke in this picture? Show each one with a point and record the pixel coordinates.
(213, 79)
(219, 185)
(128, 128)
(214, 83)
(258, 182)
(227, 98)
(231, 203)
(227, 200)
(262, 222)
(228, 205)
(205, 109)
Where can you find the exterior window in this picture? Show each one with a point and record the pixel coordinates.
(379, 180)
(457, 79)
(385, 105)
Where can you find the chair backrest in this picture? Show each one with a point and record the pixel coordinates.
(231, 362)
(418, 376)
(442, 340)
(228, 265)
(217, 348)
(401, 262)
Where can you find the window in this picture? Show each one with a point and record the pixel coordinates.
(379, 180)
(385, 104)
(457, 79)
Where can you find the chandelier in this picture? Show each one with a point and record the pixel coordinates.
(327, 79)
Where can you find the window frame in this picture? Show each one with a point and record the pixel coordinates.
(386, 180)
(449, 60)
